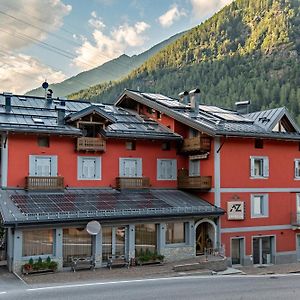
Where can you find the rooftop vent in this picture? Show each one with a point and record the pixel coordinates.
(184, 97)
(49, 94)
(242, 107)
(7, 101)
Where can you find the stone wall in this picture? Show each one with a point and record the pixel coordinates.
(178, 253)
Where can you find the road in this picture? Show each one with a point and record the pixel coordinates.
(269, 287)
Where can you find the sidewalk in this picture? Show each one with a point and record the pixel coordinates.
(149, 271)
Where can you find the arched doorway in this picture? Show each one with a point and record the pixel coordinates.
(206, 236)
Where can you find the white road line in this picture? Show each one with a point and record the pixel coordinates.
(1, 293)
(158, 279)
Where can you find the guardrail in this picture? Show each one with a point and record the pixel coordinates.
(44, 183)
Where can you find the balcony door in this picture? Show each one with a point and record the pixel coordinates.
(130, 167)
(194, 167)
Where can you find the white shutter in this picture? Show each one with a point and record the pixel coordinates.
(54, 166)
(252, 171)
(194, 167)
(43, 166)
(266, 166)
(89, 168)
(296, 162)
(32, 165)
(139, 165)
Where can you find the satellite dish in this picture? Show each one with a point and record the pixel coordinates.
(93, 227)
(45, 85)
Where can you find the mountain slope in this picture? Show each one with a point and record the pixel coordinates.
(248, 51)
(111, 70)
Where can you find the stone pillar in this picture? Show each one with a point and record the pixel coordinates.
(10, 247)
(97, 249)
(17, 251)
(131, 241)
(58, 250)
(161, 237)
(191, 234)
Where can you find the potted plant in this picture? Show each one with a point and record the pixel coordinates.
(39, 266)
(148, 257)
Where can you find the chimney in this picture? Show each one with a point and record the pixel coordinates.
(195, 100)
(242, 107)
(184, 97)
(61, 112)
(7, 101)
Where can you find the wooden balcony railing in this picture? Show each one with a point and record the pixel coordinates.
(91, 144)
(193, 182)
(132, 183)
(39, 183)
(196, 144)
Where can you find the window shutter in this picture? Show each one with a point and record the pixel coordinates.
(266, 167)
(252, 173)
(266, 205)
(139, 167)
(296, 162)
(174, 169)
(158, 166)
(79, 167)
(53, 166)
(98, 167)
(32, 165)
(121, 167)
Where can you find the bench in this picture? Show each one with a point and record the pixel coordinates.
(82, 262)
(118, 261)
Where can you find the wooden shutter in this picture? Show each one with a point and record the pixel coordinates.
(296, 169)
(266, 166)
(252, 171)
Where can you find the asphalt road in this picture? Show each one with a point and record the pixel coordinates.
(258, 288)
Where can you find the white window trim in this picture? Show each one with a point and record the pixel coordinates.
(296, 167)
(174, 171)
(266, 167)
(265, 198)
(98, 164)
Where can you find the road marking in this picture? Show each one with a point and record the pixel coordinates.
(157, 279)
(3, 293)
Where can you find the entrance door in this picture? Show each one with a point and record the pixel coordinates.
(130, 167)
(204, 238)
(237, 251)
(263, 251)
(113, 242)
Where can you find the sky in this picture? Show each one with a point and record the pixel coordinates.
(56, 39)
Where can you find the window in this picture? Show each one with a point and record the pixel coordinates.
(259, 144)
(193, 133)
(166, 169)
(42, 165)
(175, 233)
(297, 168)
(259, 206)
(130, 167)
(158, 115)
(89, 168)
(145, 238)
(130, 145)
(194, 167)
(43, 141)
(37, 242)
(166, 146)
(259, 167)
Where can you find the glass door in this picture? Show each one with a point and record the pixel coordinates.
(237, 251)
(263, 252)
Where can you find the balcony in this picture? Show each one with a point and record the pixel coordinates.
(131, 183)
(91, 144)
(40, 183)
(196, 144)
(184, 181)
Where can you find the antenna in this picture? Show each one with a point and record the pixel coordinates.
(93, 227)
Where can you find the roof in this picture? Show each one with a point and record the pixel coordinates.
(40, 115)
(19, 207)
(213, 120)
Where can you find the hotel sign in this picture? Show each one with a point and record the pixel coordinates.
(235, 210)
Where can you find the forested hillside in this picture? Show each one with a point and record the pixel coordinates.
(248, 51)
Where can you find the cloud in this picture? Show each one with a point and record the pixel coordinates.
(37, 16)
(96, 22)
(203, 9)
(172, 15)
(105, 47)
(20, 73)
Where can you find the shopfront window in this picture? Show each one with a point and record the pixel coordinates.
(145, 238)
(38, 242)
(175, 233)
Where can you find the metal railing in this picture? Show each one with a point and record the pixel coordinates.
(44, 183)
(119, 212)
(132, 183)
(199, 143)
(91, 144)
